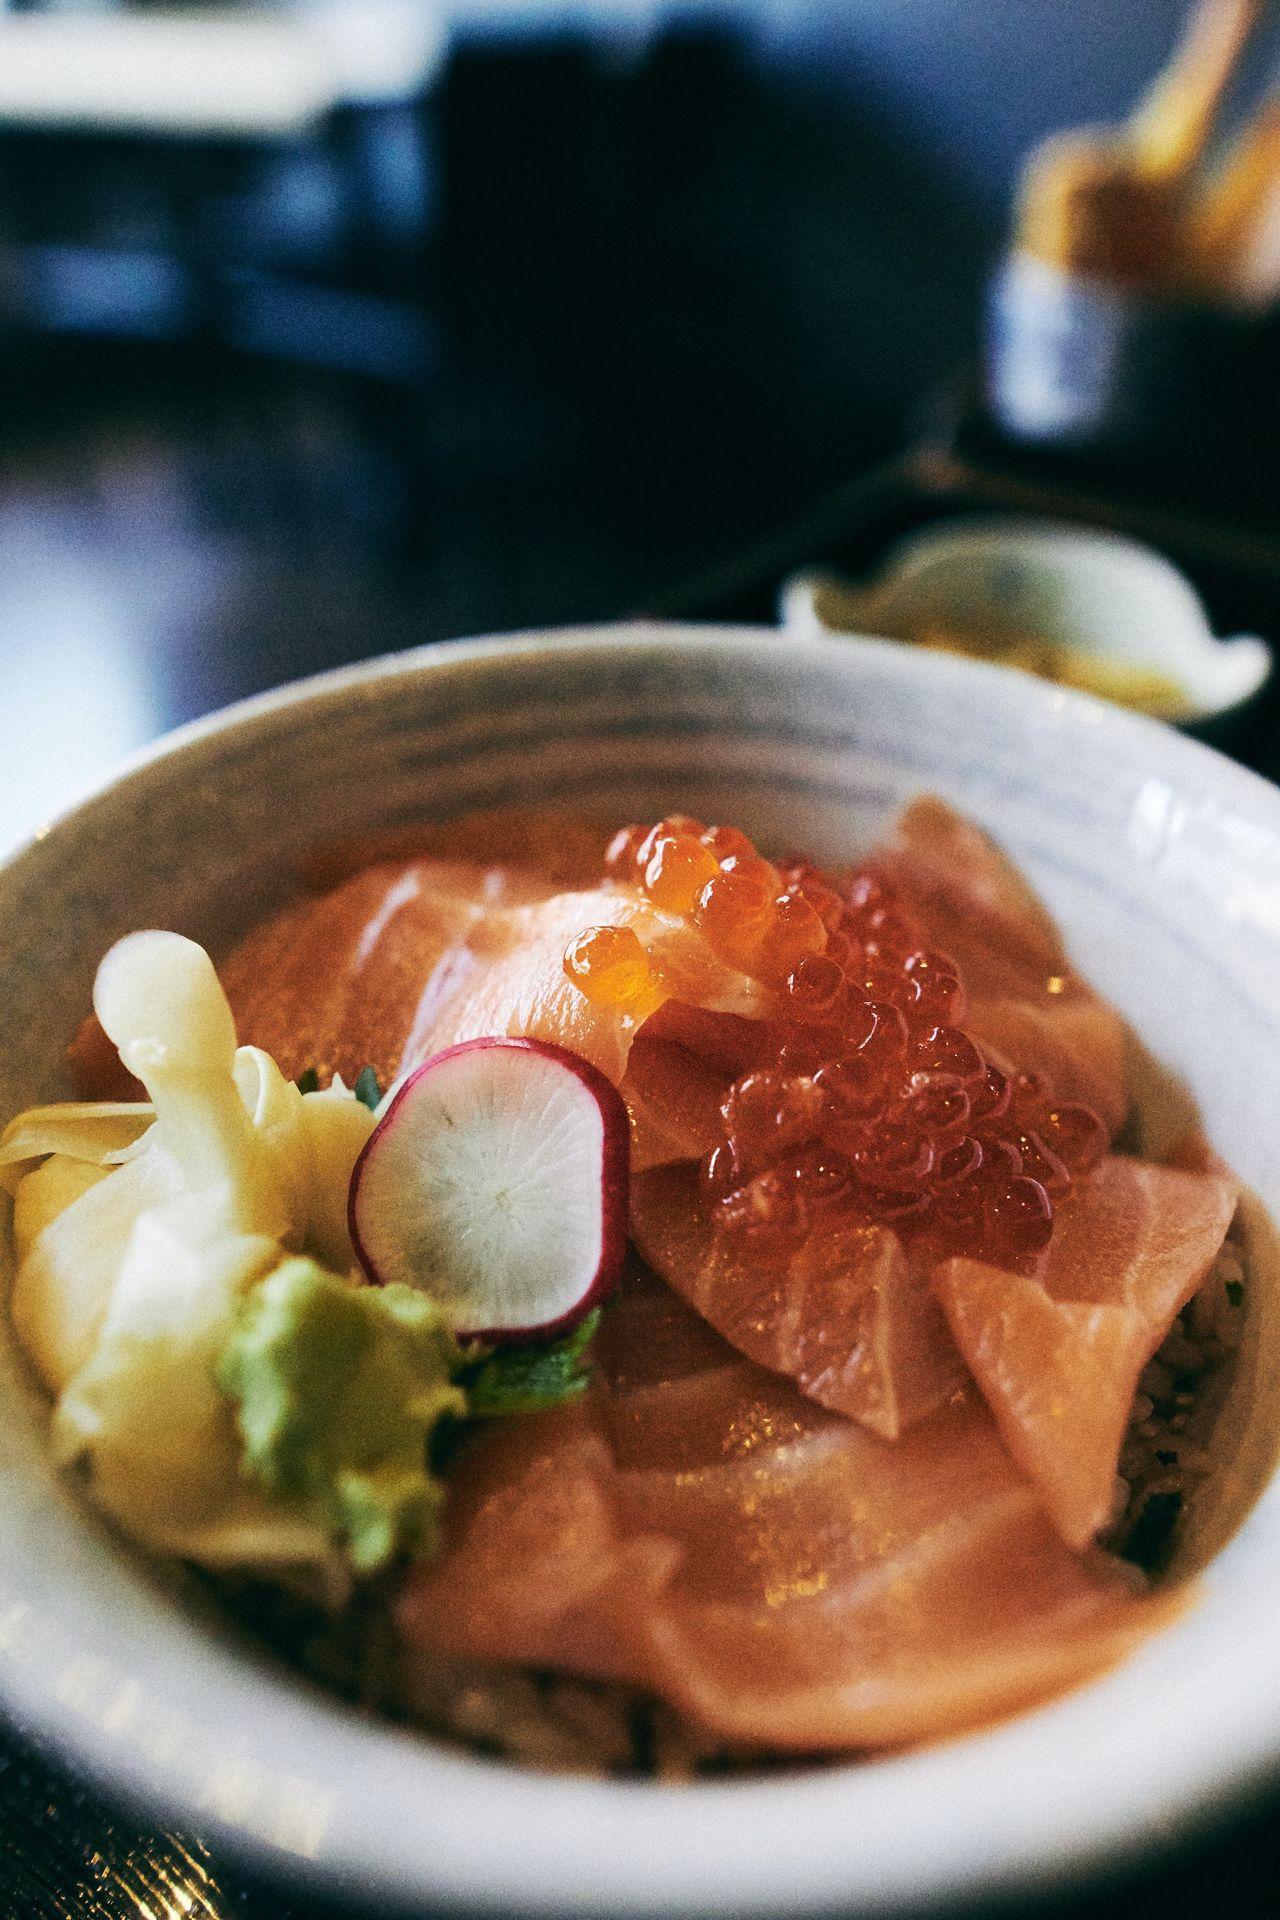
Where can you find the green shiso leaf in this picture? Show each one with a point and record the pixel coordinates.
(366, 1089)
(308, 1081)
(528, 1379)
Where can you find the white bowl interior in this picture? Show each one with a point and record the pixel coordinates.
(1093, 591)
(1162, 862)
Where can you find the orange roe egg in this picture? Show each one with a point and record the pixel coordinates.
(816, 989)
(727, 843)
(939, 994)
(770, 1211)
(679, 867)
(1040, 1162)
(1076, 1135)
(824, 900)
(989, 1098)
(767, 1114)
(733, 912)
(794, 933)
(720, 1174)
(610, 966)
(755, 865)
(1018, 1217)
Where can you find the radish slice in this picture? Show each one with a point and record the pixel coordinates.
(496, 1181)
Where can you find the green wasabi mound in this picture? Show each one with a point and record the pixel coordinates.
(338, 1389)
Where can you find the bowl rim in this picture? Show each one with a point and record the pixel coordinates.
(754, 1839)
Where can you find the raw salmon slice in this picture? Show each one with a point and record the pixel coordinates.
(984, 1628)
(847, 1315)
(974, 903)
(1058, 1354)
(520, 985)
(331, 982)
(1027, 1004)
(777, 1572)
(399, 961)
(1077, 1044)
(535, 1569)
(558, 850)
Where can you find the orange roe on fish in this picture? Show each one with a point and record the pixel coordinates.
(877, 1107)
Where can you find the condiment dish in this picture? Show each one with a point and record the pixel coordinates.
(1103, 598)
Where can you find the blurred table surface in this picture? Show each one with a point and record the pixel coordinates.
(157, 560)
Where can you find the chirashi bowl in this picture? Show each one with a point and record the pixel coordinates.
(1162, 863)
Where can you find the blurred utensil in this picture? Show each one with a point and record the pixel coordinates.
(1116, 318)
(1237, 228)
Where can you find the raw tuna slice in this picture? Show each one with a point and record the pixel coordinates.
(848, 1316)
(777, 1572)
(1057, 1355)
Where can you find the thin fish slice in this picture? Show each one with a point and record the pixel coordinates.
(1058, 1354)
(1026, 1003)
(847, 1314)
(778, 1573)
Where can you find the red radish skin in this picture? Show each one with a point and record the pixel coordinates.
(612, 1169)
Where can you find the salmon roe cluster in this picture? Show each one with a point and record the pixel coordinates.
(876, 1106)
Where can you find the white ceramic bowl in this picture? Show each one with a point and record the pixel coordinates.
(1163, 863)
(1097, 593)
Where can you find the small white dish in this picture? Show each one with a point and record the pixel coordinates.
(1161, 861)
(1096, 593)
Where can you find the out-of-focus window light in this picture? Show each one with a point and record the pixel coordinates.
(72, 711)
(229, 71)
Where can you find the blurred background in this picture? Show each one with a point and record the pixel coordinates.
(326, 329)
(330, 328)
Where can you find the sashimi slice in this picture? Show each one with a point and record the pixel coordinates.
(847, 1315)
(816, 1506)
(993, 1625)
(1026, 1002)
(1051, 1372)
(973, 902)
(398, 963)
(1139, 1235)
(1057, 1355)
(1076, 1045)
(332, 982)
(520, 985)
(674, 1098)
(779, 1573)
(649, 1337)
(704, 1420)
(534, 1565)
